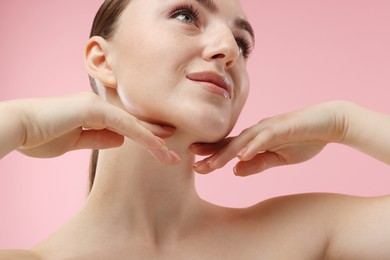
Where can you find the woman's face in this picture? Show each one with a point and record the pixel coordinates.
(183, 63)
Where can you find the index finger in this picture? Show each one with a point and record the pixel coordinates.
(116, 120)
(227, 153)
(103, 115)
(209, 148)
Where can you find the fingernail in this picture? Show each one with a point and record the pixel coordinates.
(201, 168)
(211, 159)
(198, 164)
(242, 152)
(162, 155)
(153, 142)
(175, 156)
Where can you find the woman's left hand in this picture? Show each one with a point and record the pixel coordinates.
(281, 140)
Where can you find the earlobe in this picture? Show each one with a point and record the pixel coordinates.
(97, 63)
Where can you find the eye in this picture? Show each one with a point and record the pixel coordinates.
(186, 14)
(244, 46)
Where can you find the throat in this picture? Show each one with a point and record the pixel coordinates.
(134, 190)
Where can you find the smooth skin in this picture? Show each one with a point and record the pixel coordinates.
(49, 127)
(143, 208)
(298, 136)
(307, 226)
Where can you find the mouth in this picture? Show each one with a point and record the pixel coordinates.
(213, 82)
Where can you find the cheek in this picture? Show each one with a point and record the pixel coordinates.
(149, 69)
(155, 58)
(242, 94)
(241, 97)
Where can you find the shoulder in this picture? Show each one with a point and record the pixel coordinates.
(333, 212)
(334, 226)
(361, 229)
(312, 207)
(287, 227)
(19, 254)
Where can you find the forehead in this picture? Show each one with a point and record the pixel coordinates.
(229, 10)
(232, 7)
(218, 5)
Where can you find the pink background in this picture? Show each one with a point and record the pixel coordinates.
(307, 51)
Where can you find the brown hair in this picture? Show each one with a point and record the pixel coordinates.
(104, 25)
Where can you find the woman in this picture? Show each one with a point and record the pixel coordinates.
(143, 203)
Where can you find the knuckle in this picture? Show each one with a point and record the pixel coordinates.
(267, 134)
(245, 131)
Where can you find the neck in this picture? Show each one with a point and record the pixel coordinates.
(132, 189)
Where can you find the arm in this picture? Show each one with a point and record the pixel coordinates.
(358, 228)
(361, 229)
(11, 130)
(49, 127)
(368, 131)
(300, 135)
(18, 254)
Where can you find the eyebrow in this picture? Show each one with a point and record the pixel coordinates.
(209, 4)
(238, 22)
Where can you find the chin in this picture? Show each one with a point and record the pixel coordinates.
(207, 131)
(207, 124)
(209, 139)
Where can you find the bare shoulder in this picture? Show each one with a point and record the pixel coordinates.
(304, 208)
(18, 254)
(361, 229)
(329, 226)
(298, 224)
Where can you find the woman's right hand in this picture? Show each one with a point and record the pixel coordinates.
(49, 127)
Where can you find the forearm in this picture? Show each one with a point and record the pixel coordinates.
(368, 131)
(11, 130)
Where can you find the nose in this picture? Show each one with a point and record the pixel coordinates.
(221, 46)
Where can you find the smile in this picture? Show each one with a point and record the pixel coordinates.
(213, 82)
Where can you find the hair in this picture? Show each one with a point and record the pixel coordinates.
(104, 25)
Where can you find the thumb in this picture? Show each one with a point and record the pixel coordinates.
(98, 139)
(163, 131)
(259, 163)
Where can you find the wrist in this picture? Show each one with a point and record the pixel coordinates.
(341, 112)
(14, 131)
(345, 112)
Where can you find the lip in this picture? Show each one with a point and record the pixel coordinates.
(214, 80)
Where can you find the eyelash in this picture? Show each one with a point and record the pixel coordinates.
(243, 44)
(246, 46)
(186, 10)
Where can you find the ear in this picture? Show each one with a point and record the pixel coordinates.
(97, 63)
